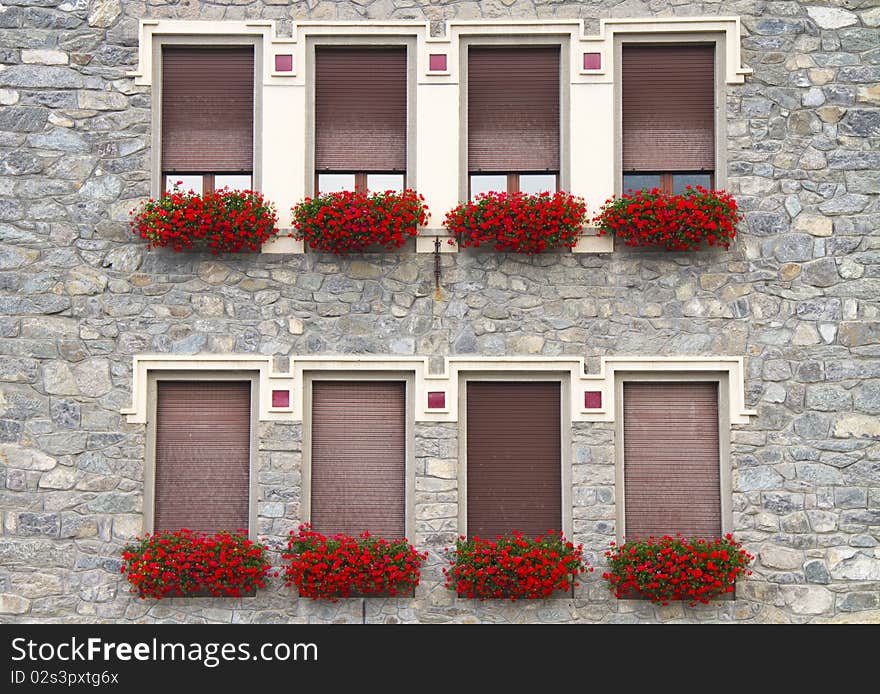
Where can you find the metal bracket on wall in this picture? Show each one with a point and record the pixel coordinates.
(437, 268)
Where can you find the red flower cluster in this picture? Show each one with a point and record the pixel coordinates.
(676, 222)
(185, 562)
(518, 222)
(337, 567)
(514, 566)
(676, 568)
(352, 221)
(223, 221)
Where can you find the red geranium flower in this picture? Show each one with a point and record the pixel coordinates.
(336, 567)
(518, 222)
(222, 221)
(185, 562)
(514, 566)
(675, 568)
(353, 221)
(674, 222)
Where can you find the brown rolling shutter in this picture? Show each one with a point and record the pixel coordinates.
(203, 443)
(513, 458)
(513, 109)
(360, 109)
(208, 109)
(668, 108)
(671, 459)
(359, 457)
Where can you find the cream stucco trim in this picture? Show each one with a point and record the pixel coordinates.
(589, 113)
(146, 365)
(591, 242)
(447, 381)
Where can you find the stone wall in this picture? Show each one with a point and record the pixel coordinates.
(798, 295)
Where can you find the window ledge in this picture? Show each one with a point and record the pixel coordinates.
(591, 242)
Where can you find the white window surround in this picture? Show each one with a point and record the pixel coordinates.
(145, 365)
(284, 117)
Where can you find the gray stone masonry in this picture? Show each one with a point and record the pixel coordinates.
(798, 295)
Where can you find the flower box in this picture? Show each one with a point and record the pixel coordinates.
(672, 569)
(674, 222)
(191, 564)
(343, 566)
(518, 222)
(514, 567)
(348, 221)
(222, 221)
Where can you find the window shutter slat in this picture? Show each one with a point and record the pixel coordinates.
(208, 109)
(668, 108)
(671, 459)
(513, 109)
(513, 458)
(203, 436)
(360, 109)
(359, 458)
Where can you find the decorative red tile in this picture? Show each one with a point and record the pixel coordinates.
(592, 61)
(283, 63)
(593, 399)
(437, 62)
(437, 400)
(280, 398)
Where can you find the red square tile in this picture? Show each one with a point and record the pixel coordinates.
(437, 400)
(592, 61)
(593, 399)
(437, 62)
(280, 398)
(283, 63)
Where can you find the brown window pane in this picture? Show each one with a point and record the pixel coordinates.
(207, 109)
(359, 457)
(360, 109)
(668, 107)
(203, 439)
(671, 466)
(514, 470)
(513, 108)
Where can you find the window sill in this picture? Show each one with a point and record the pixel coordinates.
(355, 595)
(205, 593)
(589, 242)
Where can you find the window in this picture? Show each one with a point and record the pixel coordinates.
(360, 118)
(668, 116)
(671, 459)
(358, 455)
(202, 459)
(207, 111)
(514, 457)
(513, 116)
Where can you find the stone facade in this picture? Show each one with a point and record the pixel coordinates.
(797, 295)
